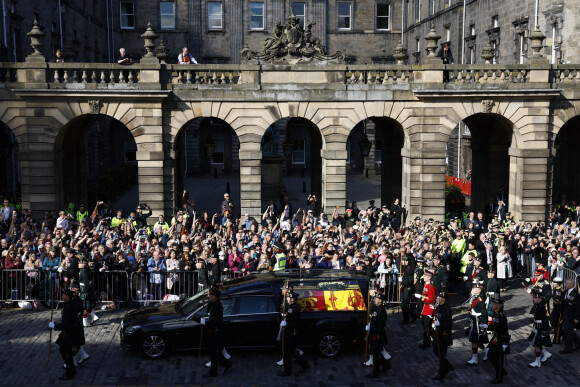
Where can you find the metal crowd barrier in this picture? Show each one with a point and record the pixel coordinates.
(23, 285)
(147, 287)
(388, 284)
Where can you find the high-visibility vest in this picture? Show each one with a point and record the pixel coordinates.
(465, 260)
(116, 222)
(70, 208)
(280, 262)
(82, 215)
(164, 226)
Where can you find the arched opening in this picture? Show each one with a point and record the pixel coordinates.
(374, 163)
(96, 155)
(207, 164)
(566, 186)
(291, 163)
(478, 152)
(9, 171)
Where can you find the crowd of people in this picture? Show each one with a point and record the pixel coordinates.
(414, 262)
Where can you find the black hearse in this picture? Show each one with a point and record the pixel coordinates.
(333, 304)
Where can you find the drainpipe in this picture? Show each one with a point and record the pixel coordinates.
(5, 41)
(463, 37)
(403, 23)
(60, 25)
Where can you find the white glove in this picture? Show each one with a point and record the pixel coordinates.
(465, 278)
(368, 327)
(504, 347)
(529, 291)
(417, 295)
(283, 323)
(528, 280)
(60, 269)
(51, 325)
(400, 279)
(202, 321)
(483, 326)
(436, 323)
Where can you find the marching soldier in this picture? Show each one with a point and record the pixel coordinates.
(499, 341)
(87, 291)
(570, 317)
(476, 272)
(377, 330)
(443, 324)
(540, 336)
(80, 356)
(407, 289)
(428, 299)
(440, 278)
(284, 293)
(492, 292)
(558, 294)
(477, 332)
(213, 324)
(290, 323)
(67, 339)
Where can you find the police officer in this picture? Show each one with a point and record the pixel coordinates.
(442, 324)
(499, 341)
(278, 260)
(407, 289)
(213, 324)
(477, 332)
(558, 294)
(67, 339)
(290, 325)
(540, 336)
(377, 334)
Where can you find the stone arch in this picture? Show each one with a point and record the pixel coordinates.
(566, 162)
(83, 173)
(194, 167)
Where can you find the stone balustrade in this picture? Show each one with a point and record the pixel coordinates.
(155, 76)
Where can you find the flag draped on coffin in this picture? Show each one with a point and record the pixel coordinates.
(313, 299)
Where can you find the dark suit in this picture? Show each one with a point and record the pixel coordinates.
(570, 312)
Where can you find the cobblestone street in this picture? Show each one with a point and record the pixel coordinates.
(24, 336)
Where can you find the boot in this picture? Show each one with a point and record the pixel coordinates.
(226, 354)
(86, 322)
(536, 363)
(485, 354)
(83, 355)
(280, 362)
(75, 360)
(300, 352)
(473, 360)
(545, 356)
(386, 355)
(369, 363)
(94, 317)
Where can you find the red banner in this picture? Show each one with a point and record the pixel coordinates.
(464, 185)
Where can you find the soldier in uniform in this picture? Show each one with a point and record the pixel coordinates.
(558, 294)
(407, 289)
(418, 277)
(67, 339)
(499, 341)
(477, 332)
(213, 324)
(492, 292)
(428, 297)
(442, 324)
(570, 317)
(377, 334)
(283, 307)
(540, 336)
(476, 272)
(87, 291)
(441, 277)
(290, 325)
(79, 356)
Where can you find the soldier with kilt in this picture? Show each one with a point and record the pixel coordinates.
(477, 331)
(540, 336)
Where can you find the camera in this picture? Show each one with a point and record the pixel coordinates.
(143, 205)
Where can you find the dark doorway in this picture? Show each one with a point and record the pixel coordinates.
(9, 170)
(567, 163)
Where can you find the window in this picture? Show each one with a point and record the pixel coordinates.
(254, 305)
(417, 10)
(299, 153)
(472, 29)
(344, 16)
(417, 45)
(257, 16)
(127, 18)
(431, 7)
(447, 34)
(494, 21)
(167, 12)
(383, 16)
(299, 10)
(215, 13)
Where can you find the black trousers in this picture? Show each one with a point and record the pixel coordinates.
(214, 344)
(426, 324)
(66, 353)
(496, 357)
(571, 339)
(376, 344)
(290, 353)
(440, 350)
